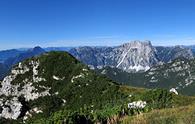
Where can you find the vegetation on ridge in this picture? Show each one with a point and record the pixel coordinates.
(79, 95)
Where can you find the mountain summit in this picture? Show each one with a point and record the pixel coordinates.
(136, 56)
(131, 57)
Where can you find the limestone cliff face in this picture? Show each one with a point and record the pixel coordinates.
(134, 56)
(15, 87)
(131, 57)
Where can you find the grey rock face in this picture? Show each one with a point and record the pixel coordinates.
(12, 107)
(131, 57)
(136, 56)
(167, 54)
(178, 74)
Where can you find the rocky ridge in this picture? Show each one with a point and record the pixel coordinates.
(177, 74)
(134, 56)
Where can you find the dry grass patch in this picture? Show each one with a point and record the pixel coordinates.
(180, 115)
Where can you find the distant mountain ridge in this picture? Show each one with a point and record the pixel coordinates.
(24, 55)
(48, 49)
(192, 47)
(131, 57)
(13, 57)
(3, 70)
(5, 54)
(134, 56)
(167, 54)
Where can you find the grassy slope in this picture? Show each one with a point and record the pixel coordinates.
(183, 112)
(179, 115)
(108, 98)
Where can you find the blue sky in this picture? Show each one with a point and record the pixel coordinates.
(27, 23)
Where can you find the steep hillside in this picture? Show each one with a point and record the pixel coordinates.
(178, 74)
(167, 54)
(24, 55)
(57, 88)
(192, 47)
(3, 70)
(12, 57)
(5, 54)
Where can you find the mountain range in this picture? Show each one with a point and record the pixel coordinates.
(134, 56)
(121, 62)
(5, 54)
(35, 91)
(131, 57)
(174, 66)
(11, 57)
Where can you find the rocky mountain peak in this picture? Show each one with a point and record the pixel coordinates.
(136, 56)
(131, 57)
(168, 54)
(138, 43)
(36, 49)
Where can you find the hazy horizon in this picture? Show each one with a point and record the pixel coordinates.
(49, 23)
(29, 47)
